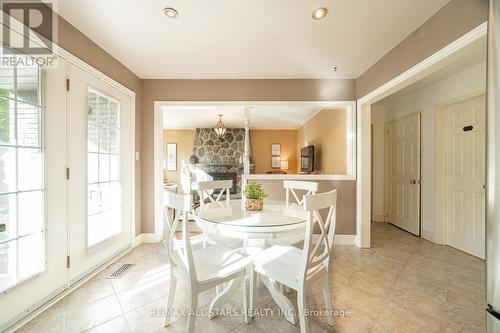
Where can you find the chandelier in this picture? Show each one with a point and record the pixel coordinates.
(219, 129)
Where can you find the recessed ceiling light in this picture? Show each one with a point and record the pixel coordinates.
(319, 13)
(170, 12)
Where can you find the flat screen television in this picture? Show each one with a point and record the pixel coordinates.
(307, 159)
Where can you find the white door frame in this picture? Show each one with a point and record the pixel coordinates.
(440, 236)
(103, 77)
(50, 300)
(386, 165)
(351, 154)
(417, 72)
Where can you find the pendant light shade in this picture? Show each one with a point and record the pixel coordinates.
(219, 129)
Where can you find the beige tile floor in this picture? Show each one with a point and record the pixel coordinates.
(401, 284)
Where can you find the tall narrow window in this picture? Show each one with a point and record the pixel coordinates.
(22, 223)
(103, 168)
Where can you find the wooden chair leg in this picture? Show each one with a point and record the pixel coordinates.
(170, 299)
(246, 297)
(326, 296)
(301, 302)
(252, 276)
(193, 305)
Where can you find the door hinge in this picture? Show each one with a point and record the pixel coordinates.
(68, 261)
(67, 173)
(67, 84)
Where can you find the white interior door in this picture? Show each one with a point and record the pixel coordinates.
(465, 175)
(100, 183)
(33, 215)
(403, 173)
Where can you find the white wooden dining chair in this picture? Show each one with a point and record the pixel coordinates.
(203, 269)
(207, 188)
(299, 268)
(292, 185)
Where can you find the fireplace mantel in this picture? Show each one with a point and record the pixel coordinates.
(220, 164)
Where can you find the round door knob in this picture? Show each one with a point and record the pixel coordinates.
(413, 181)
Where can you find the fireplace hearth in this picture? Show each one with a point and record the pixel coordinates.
(225, 176)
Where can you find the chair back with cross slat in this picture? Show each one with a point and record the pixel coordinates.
(207, 188)
(179, 252)
(292, 185)
(316, 254)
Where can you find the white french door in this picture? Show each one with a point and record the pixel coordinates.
(100, 151)
(403, 173)
(465, 175)
(33, 206)
(66, 178)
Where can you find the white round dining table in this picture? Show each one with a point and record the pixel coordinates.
(275, 224)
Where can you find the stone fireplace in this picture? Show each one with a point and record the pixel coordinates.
(218, 158)
(225, 176)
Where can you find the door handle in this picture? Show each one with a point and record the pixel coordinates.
(413, 181)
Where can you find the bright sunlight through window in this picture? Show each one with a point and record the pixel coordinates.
(103, 168)
(22, 223)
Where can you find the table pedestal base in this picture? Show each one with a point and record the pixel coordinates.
(283, 302)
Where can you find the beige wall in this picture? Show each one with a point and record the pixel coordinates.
(346, 200)
(327, 132)
(451, 22)
(261, 141)
(184, 140)
(463, 84)
(75, 42)
(222, 90)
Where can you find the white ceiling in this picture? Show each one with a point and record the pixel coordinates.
(261, 116)
(247, 38)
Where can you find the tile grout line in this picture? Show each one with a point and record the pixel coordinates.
(393, 290)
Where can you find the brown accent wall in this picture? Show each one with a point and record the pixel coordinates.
(222, 90)
(184, 140)
(451, 22)
(261, 141)
(327, 132)
(346, 200)
(75, 42)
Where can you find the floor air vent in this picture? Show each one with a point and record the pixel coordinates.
(120, 271)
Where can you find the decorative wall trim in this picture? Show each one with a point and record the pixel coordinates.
(340, 239)
(298, 176)
(150, 238)
(427, 235)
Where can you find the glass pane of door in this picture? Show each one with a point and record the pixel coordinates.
(22, 193)
(103, 174)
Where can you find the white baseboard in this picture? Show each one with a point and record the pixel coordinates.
(431, 237)
(378, 218)
(137, 241)
(149, 237)
(341, 239)
(344, 240)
